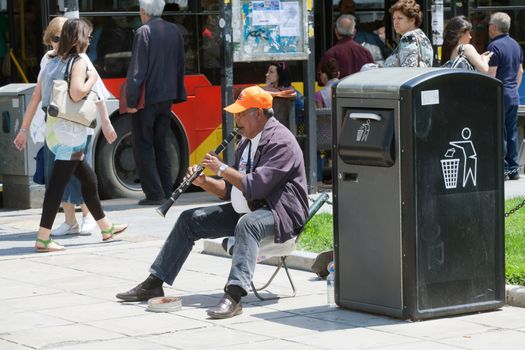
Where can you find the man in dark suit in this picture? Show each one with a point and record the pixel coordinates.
(157, 66)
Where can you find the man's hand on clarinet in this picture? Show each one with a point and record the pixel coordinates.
(199, 180)
(211, 162)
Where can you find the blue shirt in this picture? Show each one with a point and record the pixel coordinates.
(508, 57)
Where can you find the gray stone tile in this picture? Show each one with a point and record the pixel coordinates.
(353, 338)
(51, 301)
(50, 337)
(205, 338)
(495, 339)
(87, 283)
(96, 312)
(127, 344)
(420, 345)
(6, 308)
(15, 289)
(149, 323)
(27, 320)
(300, 305)
(289, 327)
(7, 345)
(433, 329)
(507, 317)
(271, 344)
(34, 272)
(354, 318)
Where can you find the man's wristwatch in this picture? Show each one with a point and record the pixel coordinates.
(222, 169)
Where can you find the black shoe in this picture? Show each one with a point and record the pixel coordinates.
(147, 201)
(140, 294)
(226, 308)
(514, 176)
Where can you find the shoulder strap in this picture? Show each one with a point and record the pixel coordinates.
(461, 50)
(67, 74)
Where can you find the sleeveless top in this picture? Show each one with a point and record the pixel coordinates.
(65, 139)
(460, 61)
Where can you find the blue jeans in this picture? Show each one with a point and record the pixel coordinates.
(215, 222)
(72, 193)
(510, 140)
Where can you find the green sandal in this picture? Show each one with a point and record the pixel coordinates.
(113, 231)
(46, 248)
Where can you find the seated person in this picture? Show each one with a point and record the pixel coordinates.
(328, 76)
(267, 188)
(278, 78)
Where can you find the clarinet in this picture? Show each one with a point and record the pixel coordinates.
(163, 209)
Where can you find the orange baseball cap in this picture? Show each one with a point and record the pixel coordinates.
(251, 97)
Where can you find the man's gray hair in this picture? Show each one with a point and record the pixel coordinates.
(268, 112)
(502, 21)
(152, 7)
(345, 29)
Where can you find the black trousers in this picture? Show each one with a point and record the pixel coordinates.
(60, 176)
(150, 133)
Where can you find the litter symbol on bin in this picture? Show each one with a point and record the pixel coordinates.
(364, 130)
(462, 151)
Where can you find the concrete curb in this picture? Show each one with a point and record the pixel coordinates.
(515, 295)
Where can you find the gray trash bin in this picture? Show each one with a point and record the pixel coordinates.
(418, 193)
(17, 168)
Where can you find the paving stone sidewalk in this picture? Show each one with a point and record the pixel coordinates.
(66, 300)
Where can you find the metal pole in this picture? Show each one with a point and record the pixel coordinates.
(310, 147)
(71, 9)
(225, 25)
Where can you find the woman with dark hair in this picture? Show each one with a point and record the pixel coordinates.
(68, 140)
(414, 48)
(278, 78)
(457, 50)
(328, 76)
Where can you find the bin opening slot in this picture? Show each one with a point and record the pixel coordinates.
(365, 116)
(351, 177)
(367, 137)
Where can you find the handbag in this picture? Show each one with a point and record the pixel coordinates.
(83, 112)
(40, 177)
(461, 61)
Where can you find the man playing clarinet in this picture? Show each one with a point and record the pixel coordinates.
(266, 193)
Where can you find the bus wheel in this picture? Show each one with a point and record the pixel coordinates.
(115, 165)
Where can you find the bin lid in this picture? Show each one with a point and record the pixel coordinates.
(383, 82)
(15, 89)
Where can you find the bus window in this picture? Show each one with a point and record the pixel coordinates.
(210, 49)
(187, 27)
(111, 42)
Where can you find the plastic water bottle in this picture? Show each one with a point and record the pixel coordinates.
(330, 288)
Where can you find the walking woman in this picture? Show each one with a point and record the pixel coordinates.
(72, 193)
(457, 50)
(67, 140)
(414, 49)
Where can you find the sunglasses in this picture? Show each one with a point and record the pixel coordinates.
(55, 38)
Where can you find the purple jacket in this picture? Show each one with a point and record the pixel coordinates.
(278, 179)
